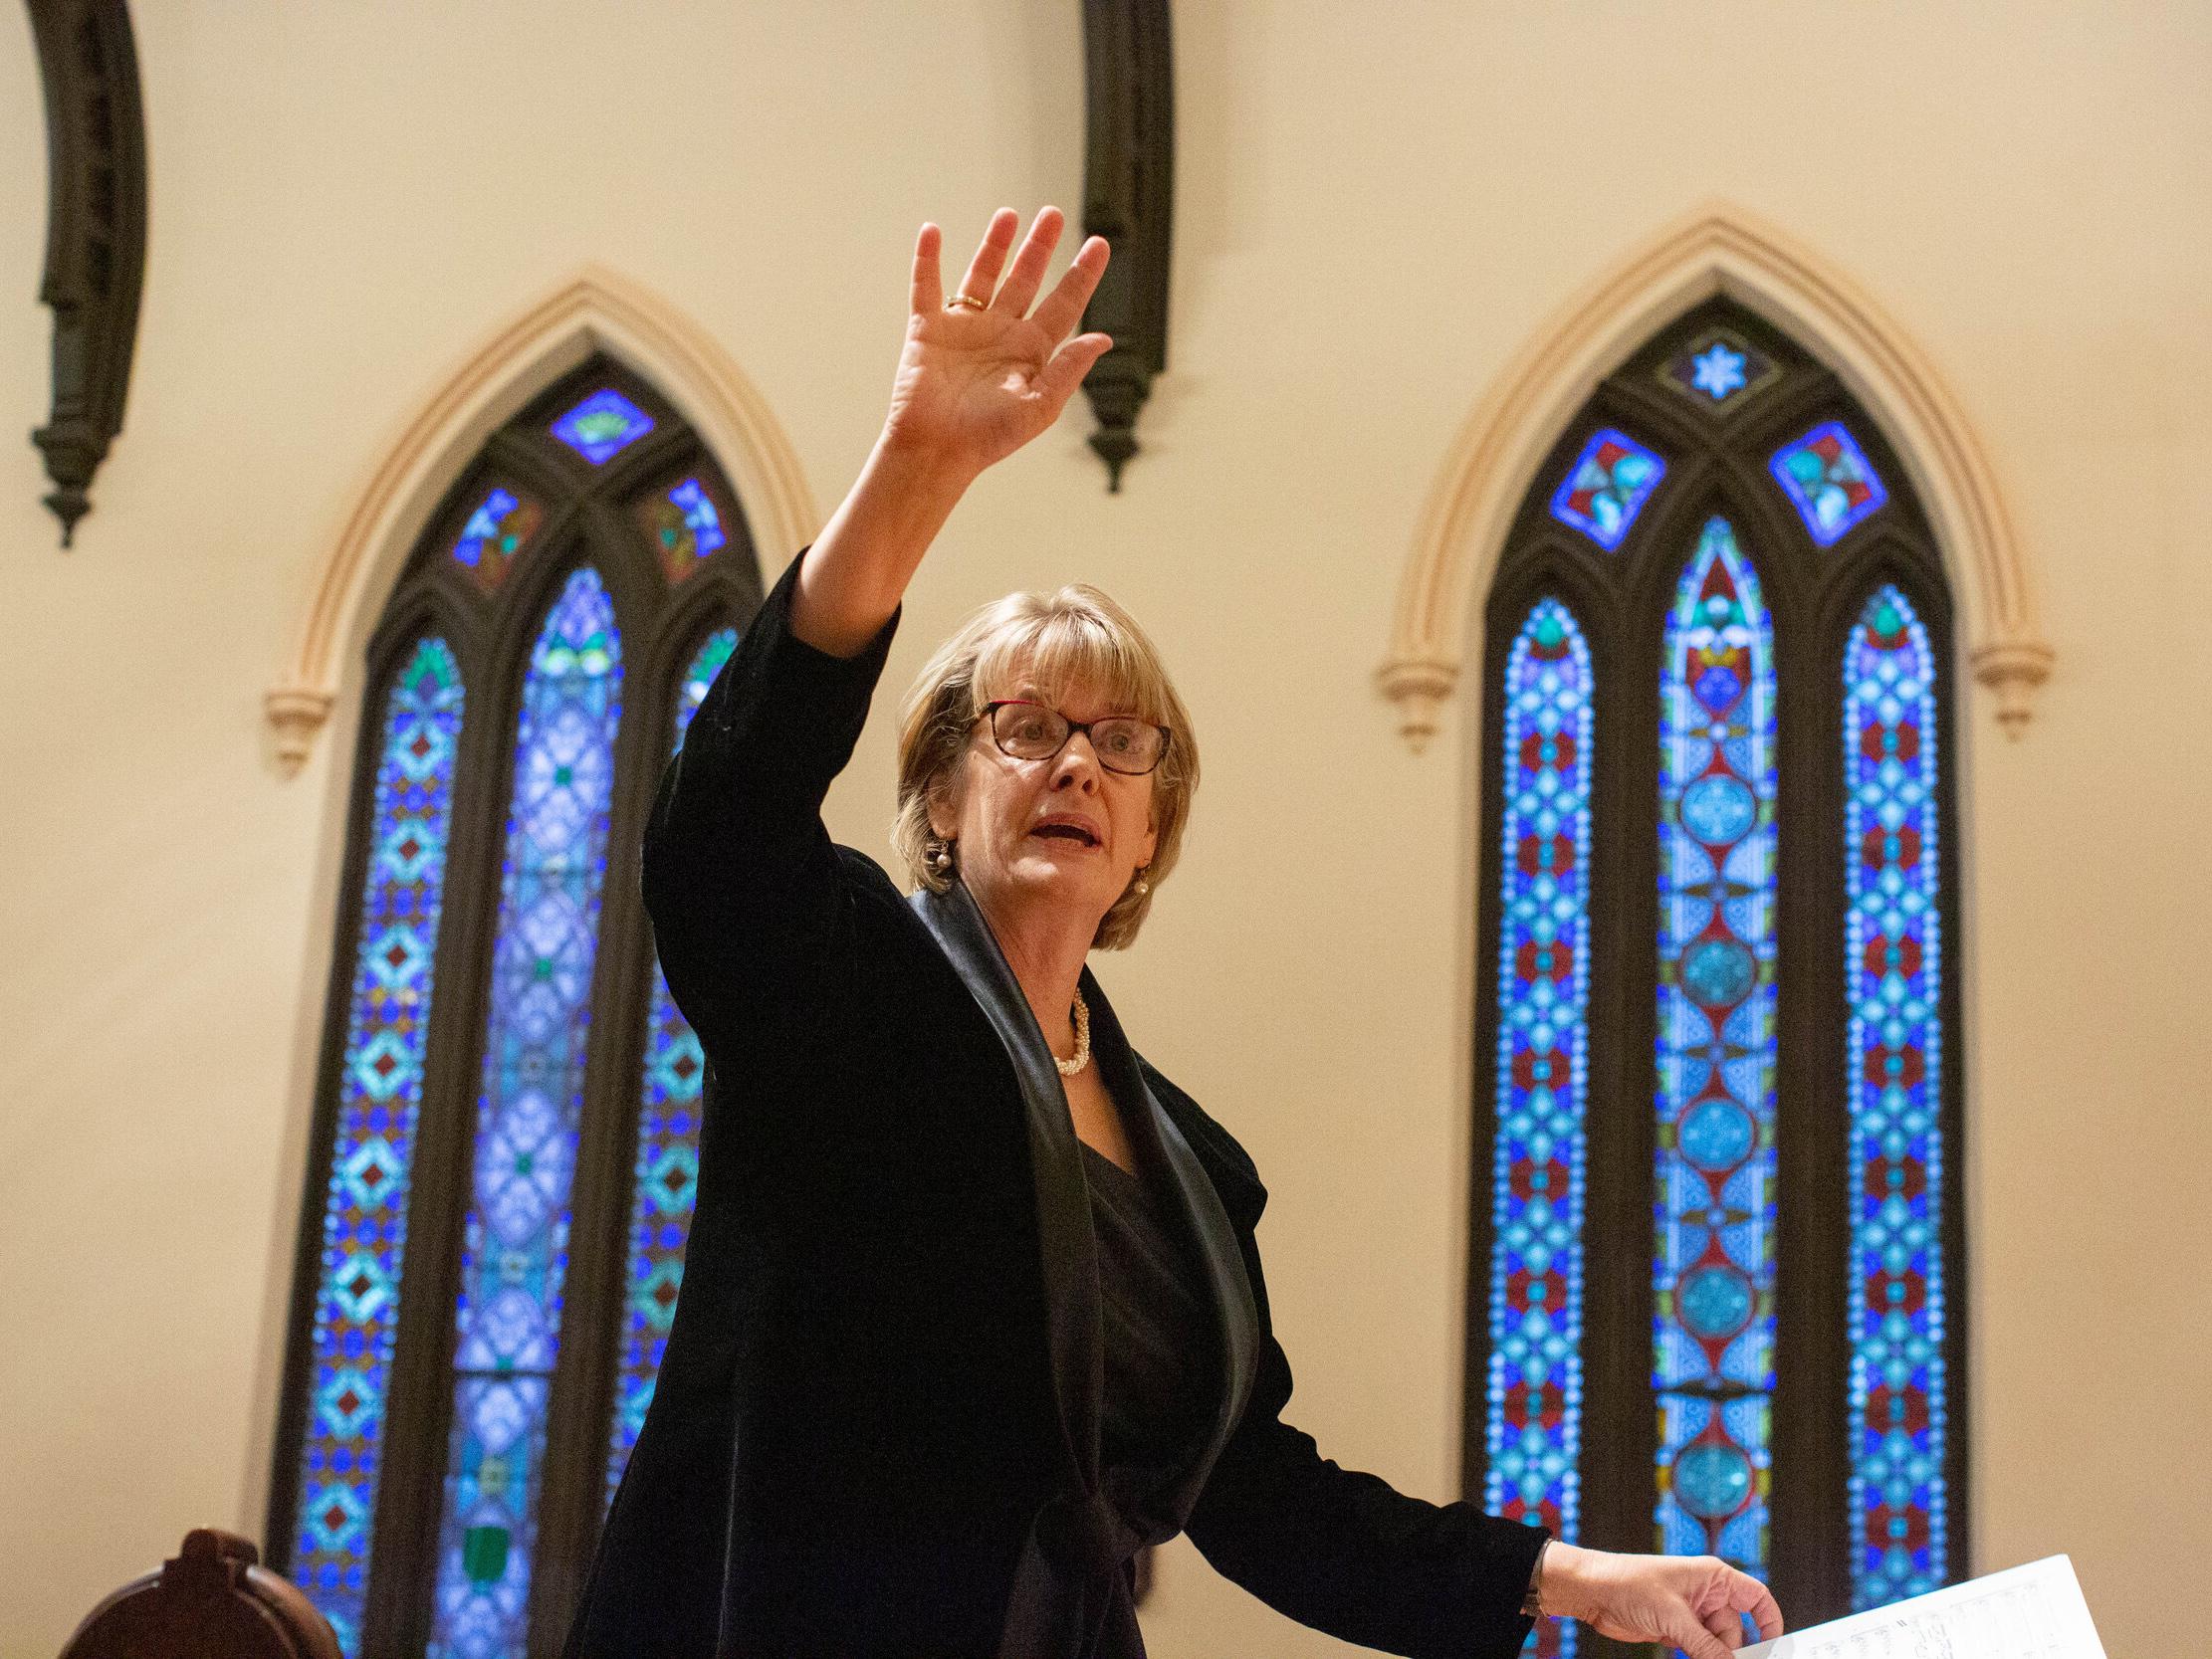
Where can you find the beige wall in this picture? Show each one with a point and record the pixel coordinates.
(1379, 207)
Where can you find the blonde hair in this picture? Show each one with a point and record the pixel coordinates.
(1045, 644)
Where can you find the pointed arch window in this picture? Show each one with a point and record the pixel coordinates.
(1717, 1092)
(506, 1137)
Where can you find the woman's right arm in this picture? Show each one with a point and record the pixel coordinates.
(741, 879)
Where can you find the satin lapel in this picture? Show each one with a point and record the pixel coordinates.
(1062, 1198)
(1235, 1314)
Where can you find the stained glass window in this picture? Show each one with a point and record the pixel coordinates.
(1893, 962)
(413, 1480)
(602, 426)
(365, 1216)
(1535, 1380)
(685, 526)
(1781, 1132)
(1718, 368)
(1829, 480)
(1713, 1277)
(494, 534)
(516, 1241)
(667, 1173)
(1607, 486)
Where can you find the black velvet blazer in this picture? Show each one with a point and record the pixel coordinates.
(876, 1426)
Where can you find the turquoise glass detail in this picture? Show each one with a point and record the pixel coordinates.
(365, 1214)
(602, 426)
(515, 1242)
(1714, 1261)
(1533, 1432)
(1830, 481)
(666, 1177)
(1892, 963)
(1607, 486)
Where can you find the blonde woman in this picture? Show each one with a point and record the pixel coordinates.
(972, 1308)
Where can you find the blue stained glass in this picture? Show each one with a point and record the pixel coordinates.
(1893, 981)
(1607, 486)
(1715, 1262)
(494, 533)
(1718, 368)
(365, 1217)
(1829, 480)
(516, 1238)
(1533, 1434)
(685, 525)
(667, 1171)
(603, 424)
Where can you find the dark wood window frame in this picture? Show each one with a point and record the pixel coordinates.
(588, 521)
(1718, 463)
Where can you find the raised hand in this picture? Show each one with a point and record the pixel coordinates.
(1695, 1603)
(982, 374)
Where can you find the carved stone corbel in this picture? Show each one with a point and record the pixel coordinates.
(1129, 199)
(96, 234)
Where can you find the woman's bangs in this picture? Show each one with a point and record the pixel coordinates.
(1049, 657)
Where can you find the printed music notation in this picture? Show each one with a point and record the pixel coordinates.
(2025, 1612)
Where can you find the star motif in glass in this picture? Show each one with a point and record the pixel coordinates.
(1718, 369)
(1829, 480)
(602, 426)
(1607, 486)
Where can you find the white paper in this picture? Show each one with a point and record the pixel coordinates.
(2025, 1612)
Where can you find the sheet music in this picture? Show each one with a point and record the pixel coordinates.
(2025, 1612)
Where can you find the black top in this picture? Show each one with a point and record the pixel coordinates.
(1158, 1330)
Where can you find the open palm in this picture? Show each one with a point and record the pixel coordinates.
(978, 381)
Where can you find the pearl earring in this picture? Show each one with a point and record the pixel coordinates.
(941, 859)
(1143, 885)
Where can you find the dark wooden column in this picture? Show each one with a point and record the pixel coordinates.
(96, 234)
(1129, 199)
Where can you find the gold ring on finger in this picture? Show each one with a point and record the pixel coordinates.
(966, 299)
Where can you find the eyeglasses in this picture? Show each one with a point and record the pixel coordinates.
(1031, 731)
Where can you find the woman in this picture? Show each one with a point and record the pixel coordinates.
(972, 1308)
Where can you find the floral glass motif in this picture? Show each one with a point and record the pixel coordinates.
(365, 1215)
(667, 1171)
(1534, 1427)
(1714, 1263)
(1829, 480)
(494, 534)
(1607, 486)
(1718, 369)
(602, 426)
(1893, 967)
(685, 528)
(515, 1242)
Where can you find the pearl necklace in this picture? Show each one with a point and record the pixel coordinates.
(1068, 1068)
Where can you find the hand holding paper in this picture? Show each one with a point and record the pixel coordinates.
(1696, 1603)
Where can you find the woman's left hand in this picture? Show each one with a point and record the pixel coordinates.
(1692, 1602)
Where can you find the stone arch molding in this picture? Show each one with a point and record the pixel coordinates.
(1719, 248)
(595, 310)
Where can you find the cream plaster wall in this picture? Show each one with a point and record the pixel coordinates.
(1377, 207)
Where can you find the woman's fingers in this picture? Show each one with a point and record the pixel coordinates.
(1027, 275)
(1064, 307)
(991, 257)
(926, 292)
(1748, 1595)
(1727, 1627)
(1057, 383)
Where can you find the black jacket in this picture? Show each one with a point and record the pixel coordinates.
(875, 1430)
